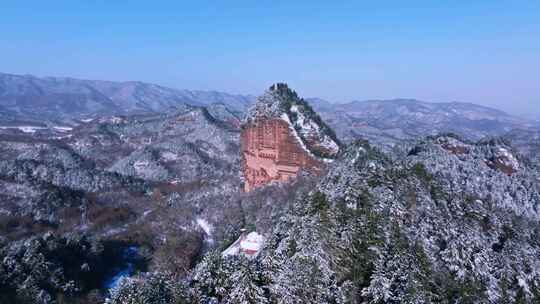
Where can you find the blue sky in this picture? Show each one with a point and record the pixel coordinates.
(485, 52)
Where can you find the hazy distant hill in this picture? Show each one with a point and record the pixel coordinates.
(30, 97)
(386, 122)
(527, 142)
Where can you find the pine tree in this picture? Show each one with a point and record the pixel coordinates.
(245, 285)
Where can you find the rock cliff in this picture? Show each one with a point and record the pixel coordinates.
(282, 135)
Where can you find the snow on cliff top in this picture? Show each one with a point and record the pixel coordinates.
(280, 102)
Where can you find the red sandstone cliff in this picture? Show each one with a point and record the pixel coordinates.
(275, 146)
(270, 152)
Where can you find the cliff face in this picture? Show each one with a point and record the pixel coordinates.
(270, 152)
(282, 135)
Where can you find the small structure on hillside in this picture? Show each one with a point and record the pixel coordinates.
(248, 245)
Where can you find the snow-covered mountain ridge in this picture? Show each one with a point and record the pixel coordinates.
(27, 97)
(387, 123)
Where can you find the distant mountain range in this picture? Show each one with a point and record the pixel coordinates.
(387, 122)
(28, 99)
(527, 142)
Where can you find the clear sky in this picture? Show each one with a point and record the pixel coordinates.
(485, 52)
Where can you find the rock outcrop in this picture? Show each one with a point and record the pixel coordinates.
(282, 135)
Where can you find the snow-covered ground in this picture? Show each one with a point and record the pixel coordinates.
(169, 156)
(205, 226)
(33, 129)
(140, 165)
(25, 129)
(63, 129)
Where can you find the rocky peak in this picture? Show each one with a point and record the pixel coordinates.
(501, 156)
(281, 102)
(280, 87)
(281, 134)
(453, 144)
(493, 153)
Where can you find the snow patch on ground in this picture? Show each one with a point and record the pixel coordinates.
(63, 129)
(205, 226)
(140, 165)
(175, 181)
(113, 119)
(360, 151)
(62, 137)
(169, 156)
(33, 129)
(25, 129)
